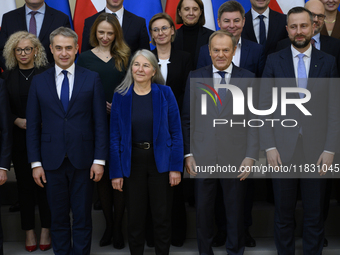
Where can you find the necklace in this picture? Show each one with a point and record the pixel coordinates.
(28, 75)
(329, 22)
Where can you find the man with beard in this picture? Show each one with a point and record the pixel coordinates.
(311, 142)
(324, 43)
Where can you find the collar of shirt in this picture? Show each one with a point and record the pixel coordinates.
(59, 77)
(228, 73)
(41, 10)
(306, 59)
(119, 14)
(255, 14)
(295, 52)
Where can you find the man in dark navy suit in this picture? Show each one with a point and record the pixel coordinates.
(313, 141)
(35, 17)
(5, 144)
(248, 54)
(224, 145)
(264, 26)
(67, 141)
(134, 27)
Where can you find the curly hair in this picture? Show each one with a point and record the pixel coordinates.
(40, 59)
(120, 51)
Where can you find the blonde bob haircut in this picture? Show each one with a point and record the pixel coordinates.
(124, 87)
(168, 18)
(40, 59)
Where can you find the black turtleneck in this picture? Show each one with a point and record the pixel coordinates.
(190, 36)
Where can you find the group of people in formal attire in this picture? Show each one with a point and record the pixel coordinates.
(129, 119)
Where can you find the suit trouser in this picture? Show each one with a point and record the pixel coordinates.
(28, 191)
(68, 189)
(233, 195)
(146, 185)
(285, 195)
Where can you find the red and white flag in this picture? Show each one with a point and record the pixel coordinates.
(284, 6)
(83, 10)
(6, 6)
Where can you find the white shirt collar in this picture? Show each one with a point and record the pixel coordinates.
(228, 70)
(308, 52)
(239, 43)
(42, 9)
(255, 14)
(119, 13)
(70, 69)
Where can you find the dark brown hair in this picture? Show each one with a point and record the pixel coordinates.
(201, 20)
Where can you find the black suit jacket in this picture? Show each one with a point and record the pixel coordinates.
(320, 130)
(15, 21)
(276, 31)
(134, 31)
(328, 45)
(202, 39)
(5, 129)
(223, 144)
(178, 71)
(17, 110)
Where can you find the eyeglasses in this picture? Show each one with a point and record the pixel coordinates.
(320, 16)
(163, 29)
(27, 50)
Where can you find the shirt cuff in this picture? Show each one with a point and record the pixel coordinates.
(330, 152)
(270, 149)
(252, 159)
(188, 155)
(35, 164)
(2, 168)
(99, 162)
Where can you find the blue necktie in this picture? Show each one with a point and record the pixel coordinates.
(222, 92)
(65, 91)
(262, 30)
(302, 74)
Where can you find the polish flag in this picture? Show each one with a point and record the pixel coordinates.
(284, 6)
(83, 10)
(6, 6)
(171, 8)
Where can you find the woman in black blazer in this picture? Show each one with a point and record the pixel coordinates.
(25, 57)
(191, 36)
(175, 66)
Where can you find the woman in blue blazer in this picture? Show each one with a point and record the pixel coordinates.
(146, 150)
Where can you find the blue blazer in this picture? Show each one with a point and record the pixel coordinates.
(167, 133)
(252, 58)
(81, 132)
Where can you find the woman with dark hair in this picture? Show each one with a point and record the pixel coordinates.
(175, 66)
(192, 35)
(146, 150)
(109, 58)
(26, 57)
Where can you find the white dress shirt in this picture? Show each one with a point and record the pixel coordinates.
(119, 14)
(306, 59)
(237, 56)
(256, 23)
(39, 17)
(164, 67)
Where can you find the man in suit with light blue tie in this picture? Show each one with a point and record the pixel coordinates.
(312, 141)
(67, 142)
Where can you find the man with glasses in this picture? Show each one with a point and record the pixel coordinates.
(321, 42)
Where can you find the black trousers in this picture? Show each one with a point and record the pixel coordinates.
(146, 185)
(29, 192)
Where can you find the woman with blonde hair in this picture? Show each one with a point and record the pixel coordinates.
(25, 57)
(109, 58)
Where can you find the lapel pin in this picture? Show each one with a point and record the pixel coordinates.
(316, 65)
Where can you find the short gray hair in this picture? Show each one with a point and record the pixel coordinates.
(223, 33)
(128, 80)
(64, 31)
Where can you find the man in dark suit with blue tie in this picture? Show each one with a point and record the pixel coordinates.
(35, 17)
(213, 146)
(248, 54)
(264, 26)
(67, 141)
(5, 144)
(134, 27)
(312, 141)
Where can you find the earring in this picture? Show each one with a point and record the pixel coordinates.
(35, 55)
